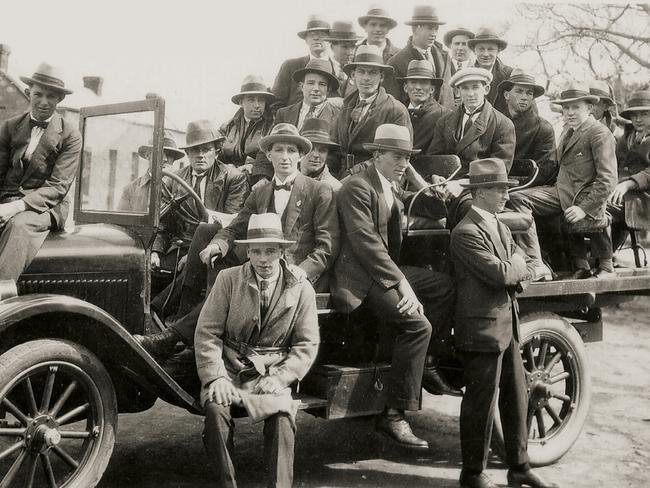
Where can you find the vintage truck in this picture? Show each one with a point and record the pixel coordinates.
(69, 365)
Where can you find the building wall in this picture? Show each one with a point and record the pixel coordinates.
(12, 101)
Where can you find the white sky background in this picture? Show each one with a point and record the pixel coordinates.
(194, 53)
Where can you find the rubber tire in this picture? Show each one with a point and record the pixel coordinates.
(30, 354)
(551, 323)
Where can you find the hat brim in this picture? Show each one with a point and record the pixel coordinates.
(303, 34)
(31, 81)
(422, 22)
(323, 142)
(506, 85)
(304, 144)
(371, 146)
(351, 40)
(628, 111)
(437, 82)
(587, 98)
(466, 184)
(448, 37)
(200, 143)
(363, 20)
(265, 240)
(347, 69)
(499, 42)
(299, 75)
(178, 154)
(236, 99)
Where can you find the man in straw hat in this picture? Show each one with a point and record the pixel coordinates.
(487, 45)
(586, 178)
(367, 108)
(313, 164)
(39, 153)
(257, 335)
(377, 23)
(535, 138)
(412, 301)
(489, 268)
(422, 45)
(456, 41)
(285, 88)
(343, 42)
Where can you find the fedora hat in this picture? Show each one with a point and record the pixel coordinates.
(487, 34)
(392, 137)
(377, 12)
(317, 131)
(315, 23)
(48, 76)
(265, 228)
(448, 37)
(424, 14)
(488, 172)
(519, 77)
(319, 66)
(169, 146)
(342, 31)
(421, 70)
(201, 132)
(470, 74)
(253, 85)
(639, 101)
(574, 92)
(367, 56)
(285, 133)
(602, 90)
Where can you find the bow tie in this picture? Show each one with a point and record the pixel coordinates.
(37, 123)
(286, 186)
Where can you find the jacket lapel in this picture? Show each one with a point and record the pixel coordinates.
(294, 113)
(574, 138)
(21, 140)
(475, 131)
(265, 198)
(491, 233)
(383, 212)
(283, 299)
(215, 182)
(46, 145)
(378, 101)
(295, 204)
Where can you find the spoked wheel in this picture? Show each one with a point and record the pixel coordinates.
(60, 414)
(559, 387)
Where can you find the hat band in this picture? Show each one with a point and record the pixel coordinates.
(367, 58)
(638, 102)
(426, 18)
(486, 38)
(377, 13)
(315, 134)
(574, 94)
(522, 80)
(264, 233)
(39, 77)
(251, 87)
(343, 36)
(599, 93)
(317, 26)
(489, 178)
(419, 73)
(398, 143)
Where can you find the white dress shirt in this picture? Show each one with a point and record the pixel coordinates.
(202, 184)
(466, 115)
(366, 107)
(490, 219)
(387, 188)
(35, 138)
(281, 197)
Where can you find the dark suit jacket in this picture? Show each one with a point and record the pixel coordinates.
(491, 136)
(291, 113)
(284, 88)
(500, 72)
(632, 162)
(535, 139)
(424, 120)
(236, 153)
(400, 63)
(44, 182)
(310, 219)
(486, 275)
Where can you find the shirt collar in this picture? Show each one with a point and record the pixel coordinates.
(411, 106)
(475, 111)
(384, 181)
(48, 120)
(272, 279)
(370, 99)
(489, 217)
(288, 179)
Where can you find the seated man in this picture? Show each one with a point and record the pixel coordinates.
(586, 178)
(257, 335)
(313, 163)
(39, 153)
(413, 301)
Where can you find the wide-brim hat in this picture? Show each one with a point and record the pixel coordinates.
(317, 131)
(315, 23)
(519, 77)
(392, 137)
(601, 90)
(639, 101)
(424, 14)
(487, 172)
(472, 73)
(575, 92)
(265, 228)
(169, 146)
(201, 132)
(448, 37)
(486, 34)
(319, 66)
(253, 85)
(368, 56)
(377, 12)
(421, 70)
(342, 31)
(48, 76)
(285, 133)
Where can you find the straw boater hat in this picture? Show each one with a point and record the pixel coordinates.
(488, 172)
(639, 101)
(392, 137)
(424, 14)
(519, 77)
(169, 146)
(343, 31)
(487, 34)
(601, 90)
(421, 70)
(470, 74)
(315, 23)
(253, 85)
(48, 76)
(317, 131)
(575, 92)
(201, 132)
(285, 133)
(370, 56)
(265, 228)
(377, 12)
(319, 66)
(449, 36)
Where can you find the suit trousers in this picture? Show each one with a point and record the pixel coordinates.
(20, 240)
(279, 438)
(413, 333)
(488, 375)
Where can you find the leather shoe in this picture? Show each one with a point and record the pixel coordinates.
(436, 384)
(398, 430)
(160, 345)
(528, 478)
(480, 480)
(580, 274)
(603, 274)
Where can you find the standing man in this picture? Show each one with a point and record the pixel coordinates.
(487, 45)
(377, 23)
(343, 42)
(489, 267)
(413, 301)
(317, 131)
(284, 88)
(461, 55)
(422, 45)
(257, 335)
(39, 153)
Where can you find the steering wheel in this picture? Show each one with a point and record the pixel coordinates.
(174, 200)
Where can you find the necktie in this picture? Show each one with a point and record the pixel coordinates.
(37, 123)
(567, 138)
(285, 186)
(466, 126)
(358, 111)
(197, 185)
(311, 112)
(264, 297)
(459, 66)
(428, 57)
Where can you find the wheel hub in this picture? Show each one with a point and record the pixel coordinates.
(42, 434)
(539, 387)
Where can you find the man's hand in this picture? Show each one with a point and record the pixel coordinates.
(409, 304)
(621, 189)
(260, 182)
(454, 188)
(574, 214)
(246, 168)
(268, 384)
(209, 252)
(181, 263)
(442, 191)
(223, 392)
(155, 260)
(8, 210)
